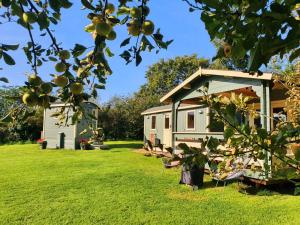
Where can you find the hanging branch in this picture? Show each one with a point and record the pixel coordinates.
(33, 44)
(47, 29)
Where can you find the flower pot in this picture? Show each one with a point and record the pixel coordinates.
(192, 175)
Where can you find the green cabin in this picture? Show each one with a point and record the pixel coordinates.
(68, 136)
(182, 118)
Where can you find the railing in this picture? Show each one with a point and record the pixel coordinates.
(196, 137)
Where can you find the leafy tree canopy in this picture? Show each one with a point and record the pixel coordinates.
(254, 28)
(167, 74)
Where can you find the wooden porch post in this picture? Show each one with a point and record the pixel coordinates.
(175, 106)
(265, 116)
(265, 106)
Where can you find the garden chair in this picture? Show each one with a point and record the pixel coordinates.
(235, 175)
(150, 146)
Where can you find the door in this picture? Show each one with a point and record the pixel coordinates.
(167, 134)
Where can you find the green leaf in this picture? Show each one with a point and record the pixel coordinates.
(262, 133)
(213, 143)
(125, 42)
(10, 47)
(123, 10)
(4, 79)
(228, 133)
(16, 9)
(87, 4)
(108, 52)
(66, 4)
(138, 59)
(53, 59)
(126, 55)
(295, 54)
(55, 5)
(99, 86)
(43, 20)
(255, 57)
(185, 148)
(297, 153)
(78, 50)
(238, 50)
(6, 3)
(8, 59)
(53, 20)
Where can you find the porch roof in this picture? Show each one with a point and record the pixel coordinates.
(209, 72)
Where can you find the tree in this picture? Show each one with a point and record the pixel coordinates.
(259, 29)
(121, 116)
(112, 118)
(167, 74)
(23, 123)
(8, 97)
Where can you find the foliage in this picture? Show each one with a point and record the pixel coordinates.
(256, 143)
(23, 123)
(85, 67)
(97, 134)
(254, 29)
(116, 187)
(228, 62)
(192, 156)
(259, 29)
(121, 116)
(112, 118)
(167, 74)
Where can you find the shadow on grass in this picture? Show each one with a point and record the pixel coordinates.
(284, 188)
(209, 184)
(126, 145)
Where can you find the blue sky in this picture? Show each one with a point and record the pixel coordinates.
(174, 19)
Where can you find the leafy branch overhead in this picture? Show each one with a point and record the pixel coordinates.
(248, 29)
(79, 72)
(260, 29)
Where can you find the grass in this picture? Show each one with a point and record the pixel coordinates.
(121, 186)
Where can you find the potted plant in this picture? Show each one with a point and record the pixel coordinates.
(193, 161)
(42, 143)
(84, 144)
(97, 137)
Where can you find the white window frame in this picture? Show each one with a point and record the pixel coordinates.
(187, 121)
(151, 122)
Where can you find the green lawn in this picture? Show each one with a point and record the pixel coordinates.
(121, 186)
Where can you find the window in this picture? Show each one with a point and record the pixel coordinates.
(153, 122)
(191, 120)
(167, 121)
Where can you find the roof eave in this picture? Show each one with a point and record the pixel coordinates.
(210, 72)
(182, 85)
